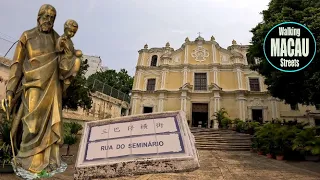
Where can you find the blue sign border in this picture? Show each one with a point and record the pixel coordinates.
(315, 45)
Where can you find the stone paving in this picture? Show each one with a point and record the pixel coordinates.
(220, 165)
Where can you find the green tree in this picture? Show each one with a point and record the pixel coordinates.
(118, 80)
(78, 94)
(299, 87)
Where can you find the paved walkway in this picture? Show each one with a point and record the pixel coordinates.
(218, 165)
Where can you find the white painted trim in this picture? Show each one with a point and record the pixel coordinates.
(146, 82)
(186, 54)
(208, 79)
(239, 78)
(248, 82)
(150, 59)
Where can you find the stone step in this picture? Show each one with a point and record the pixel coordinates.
(222, 137)
(223, 149)
(217, 132)
(224, 145)
(203, 141)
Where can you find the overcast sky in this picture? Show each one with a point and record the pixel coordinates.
(117, 29)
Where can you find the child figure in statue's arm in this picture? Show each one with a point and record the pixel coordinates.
(70, 61)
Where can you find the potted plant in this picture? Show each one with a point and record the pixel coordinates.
(70, 138)
(225, 123)
(240, 126)
(265, 134)
(251, 126)
(235, 123)
(308, 144)
(5, 146)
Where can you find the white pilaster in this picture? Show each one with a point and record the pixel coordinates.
(214, 59)
(242, 109)
(216, 108)
(185, 75)
(161, 99)
(239, 78)
(163, 78)
(138, 80)
(183, 98)
(142, 59)
(215, 75)
(133, 110)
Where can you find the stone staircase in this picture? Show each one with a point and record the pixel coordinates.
(227, 140)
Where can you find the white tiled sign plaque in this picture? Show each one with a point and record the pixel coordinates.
(156, 142)
(134, 138)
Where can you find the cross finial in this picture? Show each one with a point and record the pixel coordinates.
(199, 33)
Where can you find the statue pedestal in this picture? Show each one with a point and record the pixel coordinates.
(25, 174)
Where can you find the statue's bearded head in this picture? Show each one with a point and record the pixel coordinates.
(46, 16)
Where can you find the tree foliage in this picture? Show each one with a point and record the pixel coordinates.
(298, 87)
(118, 80)
(78, 94)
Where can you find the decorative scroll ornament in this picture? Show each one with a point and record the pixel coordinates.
(200, 54)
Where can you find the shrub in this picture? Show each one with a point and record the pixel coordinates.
(225, 123)
(307, 142)
(71, 129)
(220, 115)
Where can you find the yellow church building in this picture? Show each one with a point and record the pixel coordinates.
(202, 77)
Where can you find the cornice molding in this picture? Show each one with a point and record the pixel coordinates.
(196, 66)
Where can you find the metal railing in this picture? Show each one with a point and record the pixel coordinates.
(110, 91)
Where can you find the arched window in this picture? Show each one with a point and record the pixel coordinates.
(154, 60)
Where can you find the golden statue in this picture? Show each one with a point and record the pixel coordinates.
(69, 64)
(34, 91)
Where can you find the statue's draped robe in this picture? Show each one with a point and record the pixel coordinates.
(35, 74)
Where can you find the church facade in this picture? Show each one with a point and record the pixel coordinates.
(200, 78)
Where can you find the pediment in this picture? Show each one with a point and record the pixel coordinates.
(186, 86)
(214, 87)
(252, 73)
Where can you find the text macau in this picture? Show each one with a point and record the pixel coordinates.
(289, 47)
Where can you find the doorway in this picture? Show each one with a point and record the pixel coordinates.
(200, 115)
(257, 115)
(147, 110)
